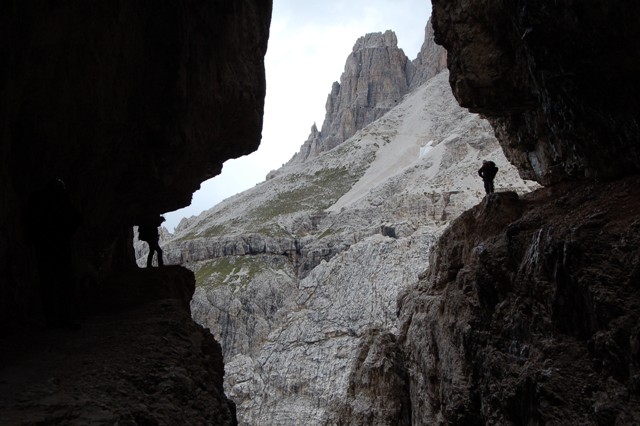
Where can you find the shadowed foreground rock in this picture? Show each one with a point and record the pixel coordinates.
(128, 105)
(147, 364)
(530, 313)
(132, 105)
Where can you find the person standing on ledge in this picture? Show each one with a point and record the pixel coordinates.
(148, 231)
(488, 172)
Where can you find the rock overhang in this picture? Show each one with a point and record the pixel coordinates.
(557, 81)
(132, 105)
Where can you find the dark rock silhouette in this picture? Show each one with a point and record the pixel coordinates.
(134, 104)
(51, 222)
(530, 311)
(149, 364)
(132, 133)
(558, 81)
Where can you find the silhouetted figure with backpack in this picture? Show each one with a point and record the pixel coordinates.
(148, 231)
(488, 172)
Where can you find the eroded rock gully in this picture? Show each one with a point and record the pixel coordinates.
(530, 311)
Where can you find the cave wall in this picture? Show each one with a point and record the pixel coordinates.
(132, 105)
(558, 81)
(530, 310)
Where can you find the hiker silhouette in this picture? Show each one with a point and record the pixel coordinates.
(148, 232)
(488, 172)
(51, 221)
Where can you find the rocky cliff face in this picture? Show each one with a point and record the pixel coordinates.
(298, 276)
(111, 112)
(529, 311)
(557, 80)
(431, 60)
(377, 75)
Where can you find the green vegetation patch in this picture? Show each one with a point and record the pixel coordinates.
(322, 189)
(230, 270)
(316, 192)
(214, 231)
(190, 236)
(274, 231)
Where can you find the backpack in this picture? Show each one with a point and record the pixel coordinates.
(143, 233)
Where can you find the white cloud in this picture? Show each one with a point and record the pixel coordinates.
(308, 45)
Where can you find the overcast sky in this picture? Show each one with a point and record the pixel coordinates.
(309, 43)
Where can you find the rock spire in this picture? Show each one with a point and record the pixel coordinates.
(431, 60)
(375, 78)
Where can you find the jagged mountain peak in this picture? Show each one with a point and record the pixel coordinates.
(377, 74)
(374, 80)
(431, 60)
(376, 40)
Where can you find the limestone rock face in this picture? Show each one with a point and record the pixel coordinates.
(375, 77)
(530, 312)
(374, 81)
(377, 392)
(243, 305)
(313, 145)
(558, 81)
(298, 277)
(431, 60)
(303, 368)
